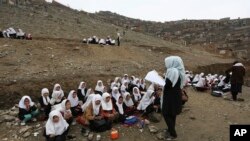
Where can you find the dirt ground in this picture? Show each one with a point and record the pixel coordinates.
(204, 118)
(28, 66)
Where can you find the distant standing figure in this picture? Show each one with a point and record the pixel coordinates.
(171, 101)
(237, 78)
(118, 38)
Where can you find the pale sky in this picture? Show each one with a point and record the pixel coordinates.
(166, 10)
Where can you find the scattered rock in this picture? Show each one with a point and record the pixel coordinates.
(160, 136)
(76, 48)
(8, 118)
(153, 129)
(192, 118)
(24, 129)
(4, 139)
(26, 134)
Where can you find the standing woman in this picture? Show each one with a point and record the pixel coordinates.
(171, 99)
(82, 91)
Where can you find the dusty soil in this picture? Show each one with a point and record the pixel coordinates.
(28, 66)
(204, 118)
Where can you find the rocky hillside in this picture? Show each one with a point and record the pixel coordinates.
(227, 35)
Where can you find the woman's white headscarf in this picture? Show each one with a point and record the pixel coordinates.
(175, 70)
(99, 88)
(115, 95)
(73, 101)
(81, 88)
(115, 83)
(87, 103)
(137, 96)
(196, 78)
(124, 87)
(89, 92)
(96, 108)
(129, 102)
(63, 106)
(120, 107)
(21, 102)
(146, 100)
(56, 128)
(107, 106)
(46, 100)
(56, 94)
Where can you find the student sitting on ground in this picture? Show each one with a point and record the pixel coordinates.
(56, 127)
(57, 95)
(196, 79)
(94, 115)
(82, 91)
(125, 78)
(108, 111)
(120, 108)
(136, 97)
(129, 107)
(143, 85)
(102, 42)
(66, 111)
(20, 34)
(28, 36)
(202, 85)
(27, 110)
(1, 34)
(11, 33)
(146, 103)
(116, 83)
(45, 102)
(99, 89)
(115, 94)
(75, 104)
(124, 87)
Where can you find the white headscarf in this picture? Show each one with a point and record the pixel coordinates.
(107, 106)
(81, 88)
(125, 79)
(73, 101)
(88, 101)
(46, 100)
(96, 108)
(124, 87)
(137, 96)
(56, 128)
(115, 83)
(63, 106)
(115, 95)
(175, 70)
(196, 78)
(146, 100)
(99, 88)
(129, 102)
(120, 107)
(56, 93)
(238, 64)
(21, 102)
(89, 92)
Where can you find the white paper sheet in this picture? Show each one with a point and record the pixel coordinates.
(154, 77)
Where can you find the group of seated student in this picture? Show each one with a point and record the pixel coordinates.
(209, 82)
(15, 34)
(101, 41)
(95, 109)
